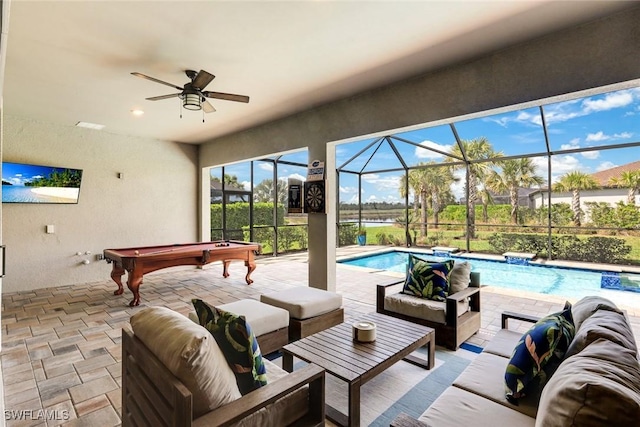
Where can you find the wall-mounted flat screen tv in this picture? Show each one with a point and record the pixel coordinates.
(26, 183)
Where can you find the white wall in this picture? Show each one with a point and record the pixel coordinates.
(155, 202)
(606, 195)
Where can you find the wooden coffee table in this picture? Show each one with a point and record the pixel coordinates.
(355, 362)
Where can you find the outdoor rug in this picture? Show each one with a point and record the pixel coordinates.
(401, 388)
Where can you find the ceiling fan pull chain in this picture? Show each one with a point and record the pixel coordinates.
(203, 115)
(180, 107)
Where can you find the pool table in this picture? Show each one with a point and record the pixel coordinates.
(139, 261)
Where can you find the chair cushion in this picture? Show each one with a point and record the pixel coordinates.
(191, 354)
(421, 308)
(538, 353)
(460, 277)
(600, 386)
(237, 342)
(427, 280)
(263, 318)
(304, 302)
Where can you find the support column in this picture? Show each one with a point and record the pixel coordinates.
(322, 227)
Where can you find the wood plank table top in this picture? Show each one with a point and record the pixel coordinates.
(356, 363)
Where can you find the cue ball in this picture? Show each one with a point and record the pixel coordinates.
(137, 252)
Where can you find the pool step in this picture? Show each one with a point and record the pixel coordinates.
(519, 258)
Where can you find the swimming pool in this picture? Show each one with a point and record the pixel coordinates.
(567, 282)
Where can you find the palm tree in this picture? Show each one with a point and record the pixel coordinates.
(486, 199)
(574, 182)
(475, 149)
(515, 174)
(413, 186)
(263, 191)
(437, 181)
(630, 180)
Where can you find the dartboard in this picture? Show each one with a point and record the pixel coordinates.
(314, 196)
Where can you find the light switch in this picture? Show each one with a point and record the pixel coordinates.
(51, 229)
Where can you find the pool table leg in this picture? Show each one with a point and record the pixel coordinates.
(250, 267)
(116, 274)
(225, 268)
(133, 283)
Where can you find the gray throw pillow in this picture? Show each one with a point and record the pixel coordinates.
(460, 277)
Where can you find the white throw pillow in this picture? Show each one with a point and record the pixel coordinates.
(460, 277)
(189, 351)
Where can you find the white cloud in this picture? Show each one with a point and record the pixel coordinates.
(560, 165)
(601, 136)
(609, 102)
(457, 188)
(598, 136)
(605, 165)
(266, 166)
(623, 135)
(246, 185)
(297, 176)
(348, 190)
(574, 143)
(382, 183)
(591, 155)
(425, 153)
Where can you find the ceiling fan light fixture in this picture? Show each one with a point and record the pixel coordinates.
(191, 101)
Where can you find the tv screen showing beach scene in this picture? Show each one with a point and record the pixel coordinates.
(25, 183)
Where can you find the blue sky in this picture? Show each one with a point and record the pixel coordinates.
(593, 121)
(18, 174)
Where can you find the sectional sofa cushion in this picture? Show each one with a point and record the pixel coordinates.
(607, 324)
(457, 407)
(484, 377)
(596, 387)
(427, 280)
(189, 351)
(538, 353)
(238, 343)
(585, 307)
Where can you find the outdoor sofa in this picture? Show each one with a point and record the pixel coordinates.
(596, 384)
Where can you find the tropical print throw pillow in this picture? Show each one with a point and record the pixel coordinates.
(237, 342)
(538, 354)
(428, 280)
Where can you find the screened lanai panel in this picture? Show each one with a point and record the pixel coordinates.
(433, 145)
(216, 203)
(353, 156)
(300, 157)
(514, 133)
(594, 121)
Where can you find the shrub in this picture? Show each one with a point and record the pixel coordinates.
(569, 247)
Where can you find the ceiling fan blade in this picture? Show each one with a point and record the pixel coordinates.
(158, 98)
(156, 80)
(202, 79)
(226, 96)
(207, 107)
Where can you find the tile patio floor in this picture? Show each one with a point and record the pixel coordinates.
(61, 346)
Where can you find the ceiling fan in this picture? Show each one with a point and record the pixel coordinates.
(192, 94)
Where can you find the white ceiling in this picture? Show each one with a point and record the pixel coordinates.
(70, 61)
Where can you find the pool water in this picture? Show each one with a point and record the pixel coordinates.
(567, 282)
